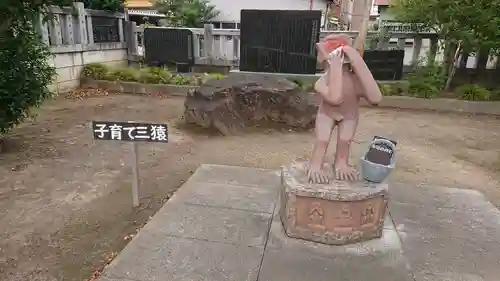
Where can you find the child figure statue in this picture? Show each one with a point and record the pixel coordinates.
(345, 81)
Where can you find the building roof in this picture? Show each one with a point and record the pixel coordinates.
(382, 2)
(145, 13)
(138, 3)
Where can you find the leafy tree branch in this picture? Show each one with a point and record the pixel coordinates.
(187, 13)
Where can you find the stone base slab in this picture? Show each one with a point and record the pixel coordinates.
(337, 213)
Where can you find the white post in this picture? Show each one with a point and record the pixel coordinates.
(120, 30)
(208, 42)
(81, 36)
(135, 175)
(417, 46)
(44, 30)
(90, 31)
(401, 43)
(68, 37)
(55, 31)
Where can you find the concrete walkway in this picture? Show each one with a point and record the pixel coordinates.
(222, 225)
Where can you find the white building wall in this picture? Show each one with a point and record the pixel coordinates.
(230, 9)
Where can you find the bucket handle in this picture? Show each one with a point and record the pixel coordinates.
(388, 143)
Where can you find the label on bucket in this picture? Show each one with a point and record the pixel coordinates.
(380, 153)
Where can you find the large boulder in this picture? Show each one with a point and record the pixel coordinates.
(235, 101)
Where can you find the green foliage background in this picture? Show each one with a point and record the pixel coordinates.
(23, 61)
(187, 13)
(475, 23)
(106, 5)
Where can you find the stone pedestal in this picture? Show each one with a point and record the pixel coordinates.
(338, 213)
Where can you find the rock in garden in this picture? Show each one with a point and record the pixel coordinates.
(235, 101)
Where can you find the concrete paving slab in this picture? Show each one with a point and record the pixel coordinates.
(291, 259)
(236, 175)
(157, 257)
(454, 198)
(222, 229)
(448, 243)
(213, 224)
(247, 198)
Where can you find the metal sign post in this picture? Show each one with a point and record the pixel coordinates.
(135, 175)
(131, 132)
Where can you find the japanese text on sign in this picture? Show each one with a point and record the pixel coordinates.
(127, 131)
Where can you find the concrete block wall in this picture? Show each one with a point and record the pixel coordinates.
(69, 64)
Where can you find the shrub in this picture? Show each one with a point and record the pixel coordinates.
(24, 63)
(301, 84)
(473, 92)
(426, 81)
(154, 75)
(215, 76)
(147, 75)
(495, 94)
(296, 81)
(182, 80)
(95, 71)
(386, 89)
(199, 80)
(123, 74)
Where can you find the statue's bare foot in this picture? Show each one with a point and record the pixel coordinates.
(346, 172)
(317, 175)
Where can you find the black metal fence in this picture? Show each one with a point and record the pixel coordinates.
(385, 64)
(105, 29)
(168, 46)
(279, 41)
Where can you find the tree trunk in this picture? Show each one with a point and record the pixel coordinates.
(449, 52)
(452, 69)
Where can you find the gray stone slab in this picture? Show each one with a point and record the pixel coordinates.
(157, 257)
(233, 196)
(455, 198)
(237, 175)
(212, 224)
(457, 241)
(289, 259)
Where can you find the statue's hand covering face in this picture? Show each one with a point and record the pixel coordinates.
(329, 44)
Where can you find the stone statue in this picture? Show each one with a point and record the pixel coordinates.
(345, 81)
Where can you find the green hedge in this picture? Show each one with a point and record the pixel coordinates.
(425, 82)
(147, 75)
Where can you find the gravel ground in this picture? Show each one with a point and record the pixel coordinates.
(65, 200)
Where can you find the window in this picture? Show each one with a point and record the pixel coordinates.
(228, 25)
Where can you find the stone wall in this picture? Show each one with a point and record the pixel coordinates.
(69, 63)
(78, 36)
